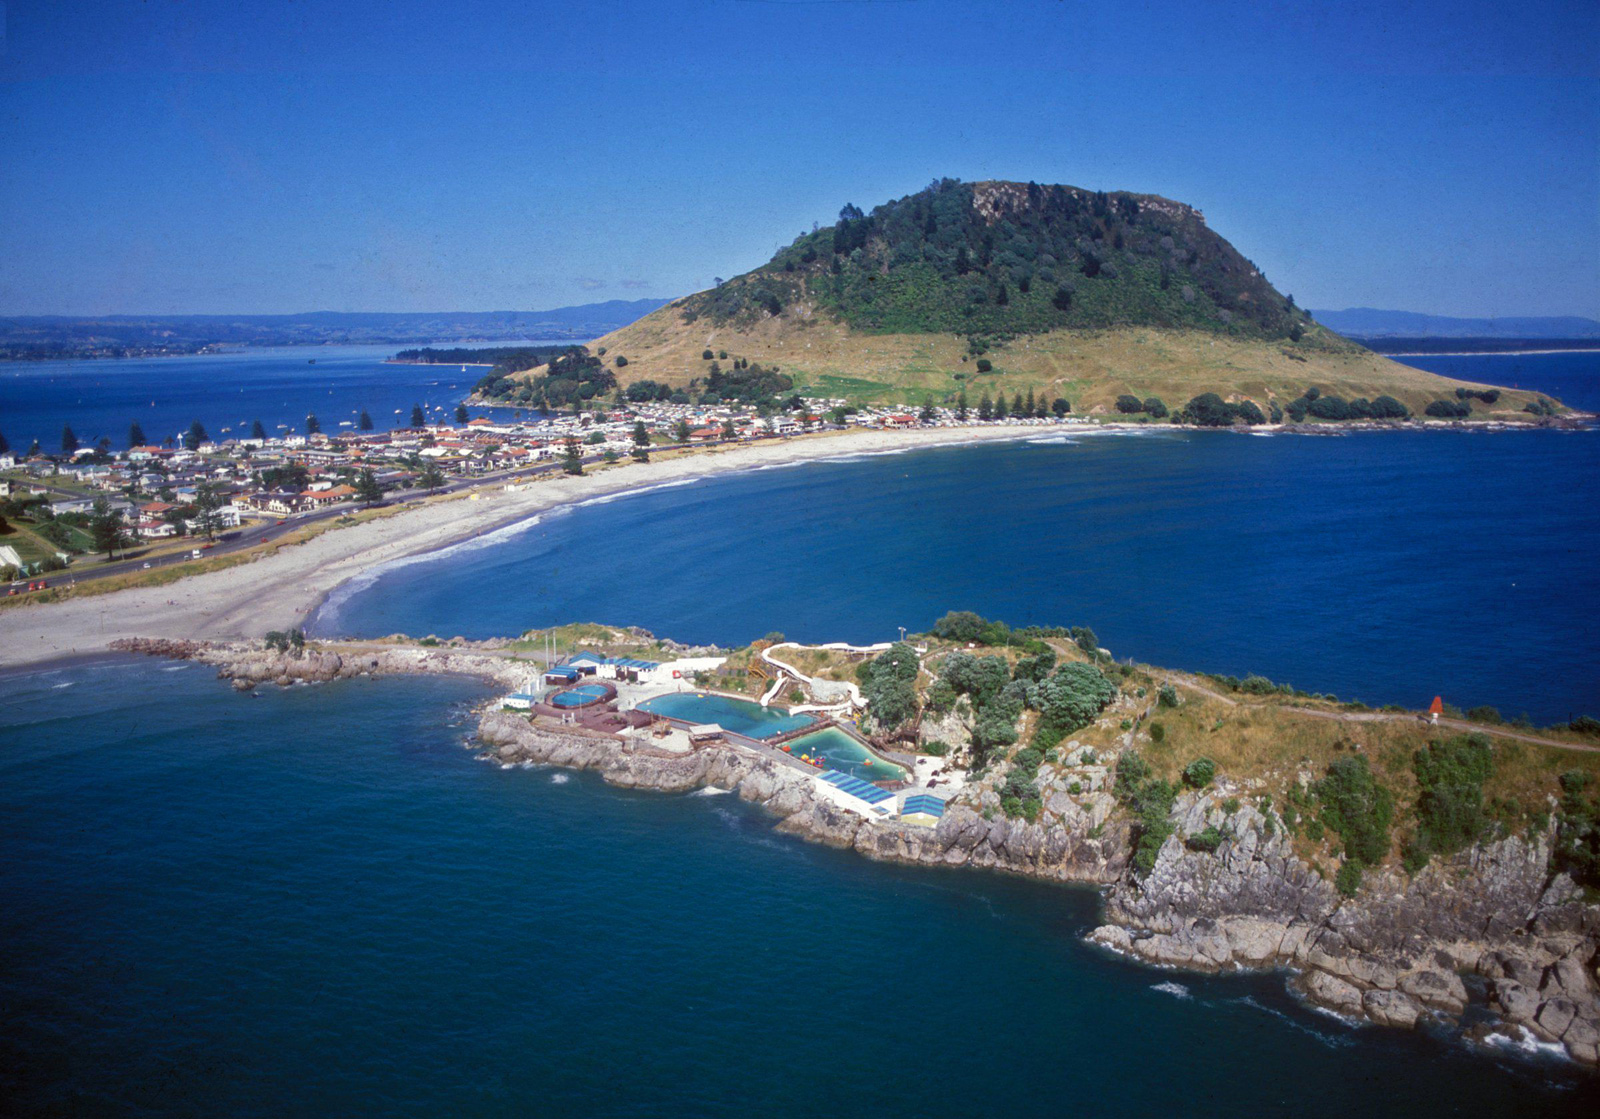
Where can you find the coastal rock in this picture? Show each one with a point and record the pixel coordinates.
(1441, 990)
(1391, 1008)
(1331, 991)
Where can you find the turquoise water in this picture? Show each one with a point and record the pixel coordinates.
(742, 716)
(841, 752)
(579, 696)
(318, 903)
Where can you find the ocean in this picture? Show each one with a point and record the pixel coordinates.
(320, 901)
(227, 393)
(317, 902)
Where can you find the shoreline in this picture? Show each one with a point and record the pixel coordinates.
(287, 588)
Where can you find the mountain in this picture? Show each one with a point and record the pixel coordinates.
(1003, 286)
(63, 335)
(1368, 322)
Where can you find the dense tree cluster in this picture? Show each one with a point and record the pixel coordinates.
(571, 376)
(996, 260)
(888, 682)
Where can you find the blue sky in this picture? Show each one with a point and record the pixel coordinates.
(182, 155)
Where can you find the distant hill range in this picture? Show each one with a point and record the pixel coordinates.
(53, 336)
(1396, 331)
(991, 287)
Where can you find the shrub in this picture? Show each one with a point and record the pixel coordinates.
(1072, 696)
(1356, 806)
(1329, 408)
(1167, 696)
(1484, 714)
(1450, 816)
(1388, 408)
(1158, 733)
(1210, 410)
(936, 748)
(1448, 410)
(1129, 404)
(621, 361)
(1155, 407)
(1231, 805)
(706, 355)
(1348, 880)
(1198, 773)
(985, 365)
(1208, 840)
(1585, 724)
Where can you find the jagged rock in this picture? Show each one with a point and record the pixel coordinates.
(1516, 1002)
(1583, 1040)
(1565, 976)
(1555, 1016)
(1391, 1008)
(1442, 990)
(1331, 991)
(1112, 936)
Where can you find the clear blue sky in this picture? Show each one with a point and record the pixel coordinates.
(192, 155)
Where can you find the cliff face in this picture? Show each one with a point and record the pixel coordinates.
(1394, 954)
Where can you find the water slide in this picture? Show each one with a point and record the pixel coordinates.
(815, 685)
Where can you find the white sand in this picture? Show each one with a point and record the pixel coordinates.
(281, 590)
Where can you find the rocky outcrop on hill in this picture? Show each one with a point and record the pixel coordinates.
(1393, 953)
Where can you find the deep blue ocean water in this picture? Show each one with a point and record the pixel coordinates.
(276, 385)
(1388, 567)
(318, 903)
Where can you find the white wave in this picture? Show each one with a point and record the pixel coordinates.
(559, 779)
(710, 791)
(1333, 1041)
(175, 668)
(68, 684)
(1176, 990)
(608, 498)
(1524, 1042)
(1051, 441)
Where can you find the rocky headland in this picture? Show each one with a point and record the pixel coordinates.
(1490, 929)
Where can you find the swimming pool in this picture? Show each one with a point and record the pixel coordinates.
(741, 716)
(582, 695)
(838, 751)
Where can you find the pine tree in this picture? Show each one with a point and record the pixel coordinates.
(961, 406)
(135, 435)
(928, 414)
(69, 441)
(986, 408)
(365, 422)
(417, 418)
(681, 432)
(368, 489)
(999, 412)
(5, 447)
(461, 412)
(1027, 409)
(257, 431)
(313, 425)
(195, 436)
(572, 458)
(641, 434)
(1016, 406)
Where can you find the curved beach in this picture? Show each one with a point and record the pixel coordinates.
(281, 590)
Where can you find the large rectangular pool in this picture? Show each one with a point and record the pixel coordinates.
(741, 716)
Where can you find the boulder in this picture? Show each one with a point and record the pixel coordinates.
(1442, 990)
(1331, 991)
(1391, 1008)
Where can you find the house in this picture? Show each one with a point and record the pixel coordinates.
(321, 498)
(156, 530)
(899, 420)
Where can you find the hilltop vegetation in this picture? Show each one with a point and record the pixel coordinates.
(992, 261)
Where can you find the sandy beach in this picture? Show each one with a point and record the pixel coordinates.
(280, 591)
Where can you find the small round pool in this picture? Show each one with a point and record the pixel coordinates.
(582, 695)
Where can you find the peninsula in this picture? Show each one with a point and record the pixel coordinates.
(1407, 869)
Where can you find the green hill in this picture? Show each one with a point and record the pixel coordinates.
(992, 261)
(1015, 288)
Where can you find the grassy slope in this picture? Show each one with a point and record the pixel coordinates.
(1089, 368)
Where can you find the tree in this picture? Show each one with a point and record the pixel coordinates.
(1060, 407)
(69, 441)
(927, 414)
(1156, 407)
(641, 434)
(728, 430)
(1128, 404)
(4, 445)
(572, 458)
(641, 453)
(364, 423)
(999, 406)
(106, 527)
(417, 418)
(257, 431)
(195, 436)
(681, 432)
(461, 412)
(206, 503)
(985, 408)
(367, 488)
(1062, 298)
(1028, 408)
(430, 477)
(135, 435)
(313, 425)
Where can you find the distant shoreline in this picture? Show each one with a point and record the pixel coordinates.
(1486, 353)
